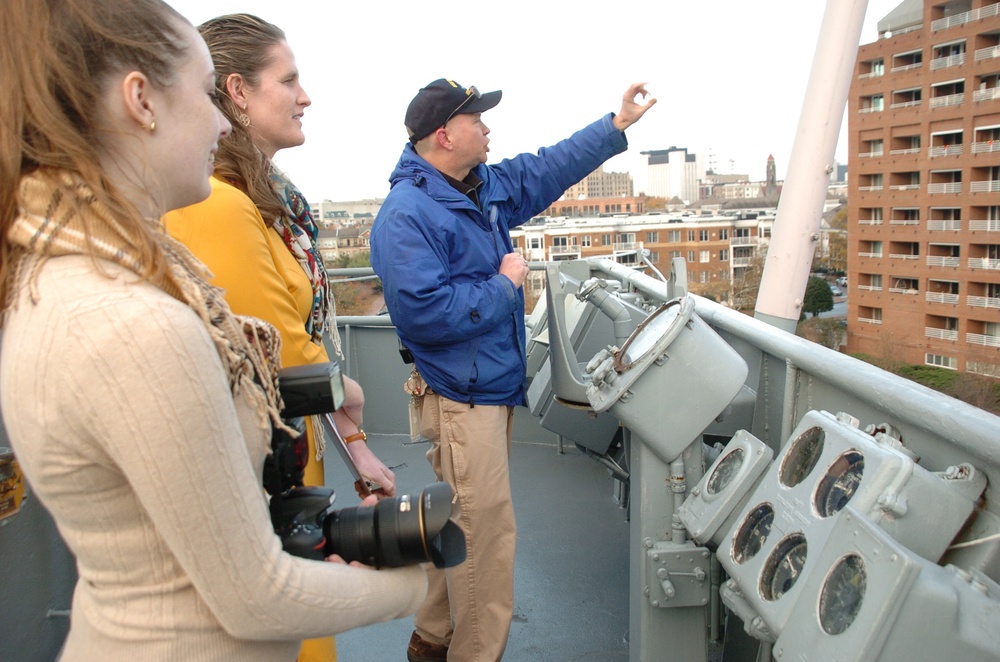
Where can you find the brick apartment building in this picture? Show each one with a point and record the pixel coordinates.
(924, 188)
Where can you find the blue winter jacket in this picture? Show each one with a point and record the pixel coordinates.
(438, 256)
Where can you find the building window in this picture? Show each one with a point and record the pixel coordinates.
(605, 240)
(724, 234)
(653, 237)
(724, 255)
(513, 242)
(585, 241)
(704, 256)
(654, 256)
(940, 361)
(690, 235)
(691, 256)
(674, 236)
(703, 235)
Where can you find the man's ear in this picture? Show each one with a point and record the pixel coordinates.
(442, 139)
(137, 98)
(237, 89)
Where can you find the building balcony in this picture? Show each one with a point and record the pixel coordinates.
(742, 241)
(871, 155)
(980, 339)
(903, 290)
(563, 251)
(988, 94)
(869, 255)
(904, 221)
(903, 152)
(982, 302)
(870, 109)
(986, 186)
(940, 334)
(986, 147)
(905, 187)
(903, 256)
(947, 187)
(742, 261)
(870, 288)
(991, 225)
(948, 100)
(988, 53)
(904, 104)
(869, 320)
(943, 261)
(877, 187)
(869, 221)
(964, 17)
(906, 67)
(941, 297)
(984, 263)
(946, 62)
(950, 224)
(944, 150)
(623, 246)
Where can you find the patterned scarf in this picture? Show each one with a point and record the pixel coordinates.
(59, 215)
(300, 234)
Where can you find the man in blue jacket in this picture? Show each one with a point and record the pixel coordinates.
(452, 284)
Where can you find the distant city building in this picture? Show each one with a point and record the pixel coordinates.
(597, 206)
(718, 247)
(336, 241)
(771, 178)
(923, 234)
(328, 212)
(600, 184)
(673, 173)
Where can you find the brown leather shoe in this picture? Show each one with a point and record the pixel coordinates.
(424, 651)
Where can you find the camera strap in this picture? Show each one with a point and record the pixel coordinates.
(417, 388)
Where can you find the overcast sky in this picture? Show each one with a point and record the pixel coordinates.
(729, 75)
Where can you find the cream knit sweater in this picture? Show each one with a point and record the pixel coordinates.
(119, 410)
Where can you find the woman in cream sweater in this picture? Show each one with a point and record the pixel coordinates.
(138, 404)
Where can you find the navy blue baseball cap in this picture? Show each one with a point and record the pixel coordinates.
(441, 100)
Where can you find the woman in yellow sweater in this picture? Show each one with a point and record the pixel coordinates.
(256, 234)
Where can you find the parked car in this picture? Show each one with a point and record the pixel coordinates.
(836, 291)
(842, 281)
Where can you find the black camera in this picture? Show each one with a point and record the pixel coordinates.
(395, 532)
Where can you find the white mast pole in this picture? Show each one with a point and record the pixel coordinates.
(796, 228)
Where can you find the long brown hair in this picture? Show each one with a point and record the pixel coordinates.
(241, 44)
(56, 57)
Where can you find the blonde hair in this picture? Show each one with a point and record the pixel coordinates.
(241, 44)
(56, 57)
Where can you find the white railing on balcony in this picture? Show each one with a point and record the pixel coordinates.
(982, 302)
(964, 17)
(563, 250)
(944, 150)
(872, 74)
(903, 256)
(870, 188)
(940, 334)
(904, 290)
(901, 152)
(869, 255)
(942, 261)
(742, 261)
(904, 104)
(984, 263)
(869, 221)
(870, 288)
(870, 109)
(904, 187)
(980, 339)
(742, 241)
(869, 320)
(987, 146)
(941, 297)
(986, 95)
(869, 155)
(949, 61)
(627, 246)
(985, 186)
(906, 67)
(904, 221)
(989, 225)
(950, 224)
(987, 53)
(948, 100)
(949, 187)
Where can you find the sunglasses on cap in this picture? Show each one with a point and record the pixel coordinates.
(470, 93)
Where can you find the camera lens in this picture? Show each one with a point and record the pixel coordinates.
(399, 531)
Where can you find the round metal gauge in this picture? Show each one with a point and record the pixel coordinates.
(802, 457)
(783, 567)
(725, 471)
(752, 532)
(842, 595)
(839, 483)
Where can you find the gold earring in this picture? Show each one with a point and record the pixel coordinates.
(243, 119)
(152, 126)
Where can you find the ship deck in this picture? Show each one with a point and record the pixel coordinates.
(571, 570)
